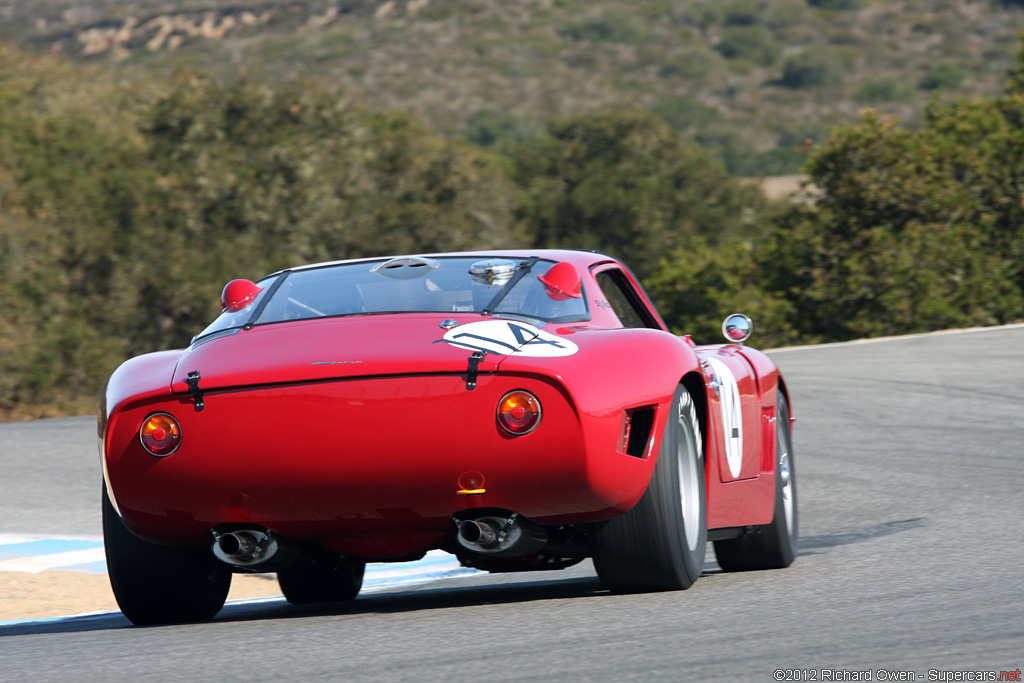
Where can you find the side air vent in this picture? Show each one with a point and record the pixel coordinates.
(637, 434)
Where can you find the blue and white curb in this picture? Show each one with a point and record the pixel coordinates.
(35, 554)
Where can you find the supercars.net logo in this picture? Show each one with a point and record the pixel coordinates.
(892, 675)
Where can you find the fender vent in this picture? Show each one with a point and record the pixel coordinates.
(637, 434)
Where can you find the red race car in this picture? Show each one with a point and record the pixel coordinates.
(521, 410)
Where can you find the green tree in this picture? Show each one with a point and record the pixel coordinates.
(840, 5)
(698, 286)
(118, 231)
(914, 231)
(754, 44)
(817, 69)
(883, 89)
(622, 181)
(253, 179)
(942, 75)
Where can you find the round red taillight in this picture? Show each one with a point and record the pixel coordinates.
(518, 412)
(160, 434)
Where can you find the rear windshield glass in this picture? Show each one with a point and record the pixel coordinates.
(234, 320)
(411, 285)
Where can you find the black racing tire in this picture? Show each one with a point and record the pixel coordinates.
(660, 544)
(770, 546)
(160, 584)
(322, 582)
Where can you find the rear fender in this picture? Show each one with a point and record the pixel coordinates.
(615, 371)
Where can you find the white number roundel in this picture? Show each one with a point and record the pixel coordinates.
(506, 337)
(732, 416)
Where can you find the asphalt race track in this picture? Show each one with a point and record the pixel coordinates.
(910, 460)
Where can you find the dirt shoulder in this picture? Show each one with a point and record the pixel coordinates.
(61, 593)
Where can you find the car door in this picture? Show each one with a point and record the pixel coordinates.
(734, 415)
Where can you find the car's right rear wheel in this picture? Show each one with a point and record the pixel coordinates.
(770, 546)
(322, 582)
(660, 544)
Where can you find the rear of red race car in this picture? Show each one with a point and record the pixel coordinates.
(366, 460)
(369, 455)
(333, 416)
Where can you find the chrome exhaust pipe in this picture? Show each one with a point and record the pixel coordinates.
(500, 536)
(247, 548)
(482, 533)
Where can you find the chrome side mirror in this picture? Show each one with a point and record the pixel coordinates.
(737, 328)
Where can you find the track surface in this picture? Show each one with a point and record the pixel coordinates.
(910, 458)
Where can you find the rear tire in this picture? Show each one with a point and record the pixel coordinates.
(160, 584)
(771, 546)
(322, 582)
(660, 544)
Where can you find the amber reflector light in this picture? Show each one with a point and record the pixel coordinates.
(518, 412)
(160, 434)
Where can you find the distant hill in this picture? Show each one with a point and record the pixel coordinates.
(757, 81)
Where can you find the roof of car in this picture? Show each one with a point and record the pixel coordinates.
(580, 258)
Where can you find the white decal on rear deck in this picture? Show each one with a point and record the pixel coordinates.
(509, 337)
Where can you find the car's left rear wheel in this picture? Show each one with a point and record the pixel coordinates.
(159, 584)
(660, 544)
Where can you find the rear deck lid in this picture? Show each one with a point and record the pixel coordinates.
(362, 346)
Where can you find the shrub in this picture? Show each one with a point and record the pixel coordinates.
(751, 43)
(812, 70)
(609, 27)
(704, 14)
(841, 5)
(696, 64)
(489, 128)
(620, 180)
(685, 113)
(743, 13)
(942, 76)
(883, 89)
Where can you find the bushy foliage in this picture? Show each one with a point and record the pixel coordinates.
(942, 75)
(753, 43)
(685, 113)
(698, 286)
(123, 212)
(695, 64)
(444, 60)
(115, 242)
(501, 130)
(622, 181)
(883, 89)
(609, 27)
(743, 13)
(842, 5)
(815, 69)
(915, 230)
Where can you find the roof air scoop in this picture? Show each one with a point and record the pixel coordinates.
(405, 267)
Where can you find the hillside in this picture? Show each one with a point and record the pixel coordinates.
(757, 81)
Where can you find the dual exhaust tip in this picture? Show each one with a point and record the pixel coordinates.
(498, 534)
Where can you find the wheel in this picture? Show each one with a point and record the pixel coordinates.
(160, 584)
(771, 546)
(322, 582)
(660, 544)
